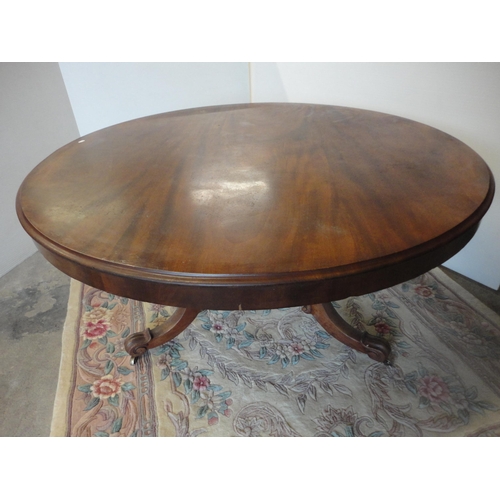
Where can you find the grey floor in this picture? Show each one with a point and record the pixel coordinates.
(33, 300)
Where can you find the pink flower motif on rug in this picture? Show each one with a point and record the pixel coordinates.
(201, 383)
(96, 329)
(382, 327)
(424, 291)
(296, 348)
(232, 372)
(218, 326)
(433, 388)
(106, 387)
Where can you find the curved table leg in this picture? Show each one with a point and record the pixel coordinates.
(138, 343)
(326, 315)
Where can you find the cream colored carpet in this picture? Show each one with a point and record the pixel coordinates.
(277, 373)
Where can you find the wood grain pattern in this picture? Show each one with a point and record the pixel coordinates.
(138, 343)
(376, 348)
(255, 205)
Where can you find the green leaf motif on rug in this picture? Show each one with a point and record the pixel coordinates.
(209, 399)
(267, 359)
(92, 403)
(117, 425)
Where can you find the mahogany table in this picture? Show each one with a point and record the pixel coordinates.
(255, 206)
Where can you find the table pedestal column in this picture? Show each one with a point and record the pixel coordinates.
(325, 314)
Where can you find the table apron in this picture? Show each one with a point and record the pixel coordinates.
(252, 296)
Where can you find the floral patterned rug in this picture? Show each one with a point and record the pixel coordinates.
(277, 373)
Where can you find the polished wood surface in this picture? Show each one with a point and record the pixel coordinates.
(256, 205)
(138, 343)
(376, 348)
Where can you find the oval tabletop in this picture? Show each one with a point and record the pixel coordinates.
(255, 205)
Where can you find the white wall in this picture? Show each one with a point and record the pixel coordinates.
(35, 120)
(462, 99)
(103, 94)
